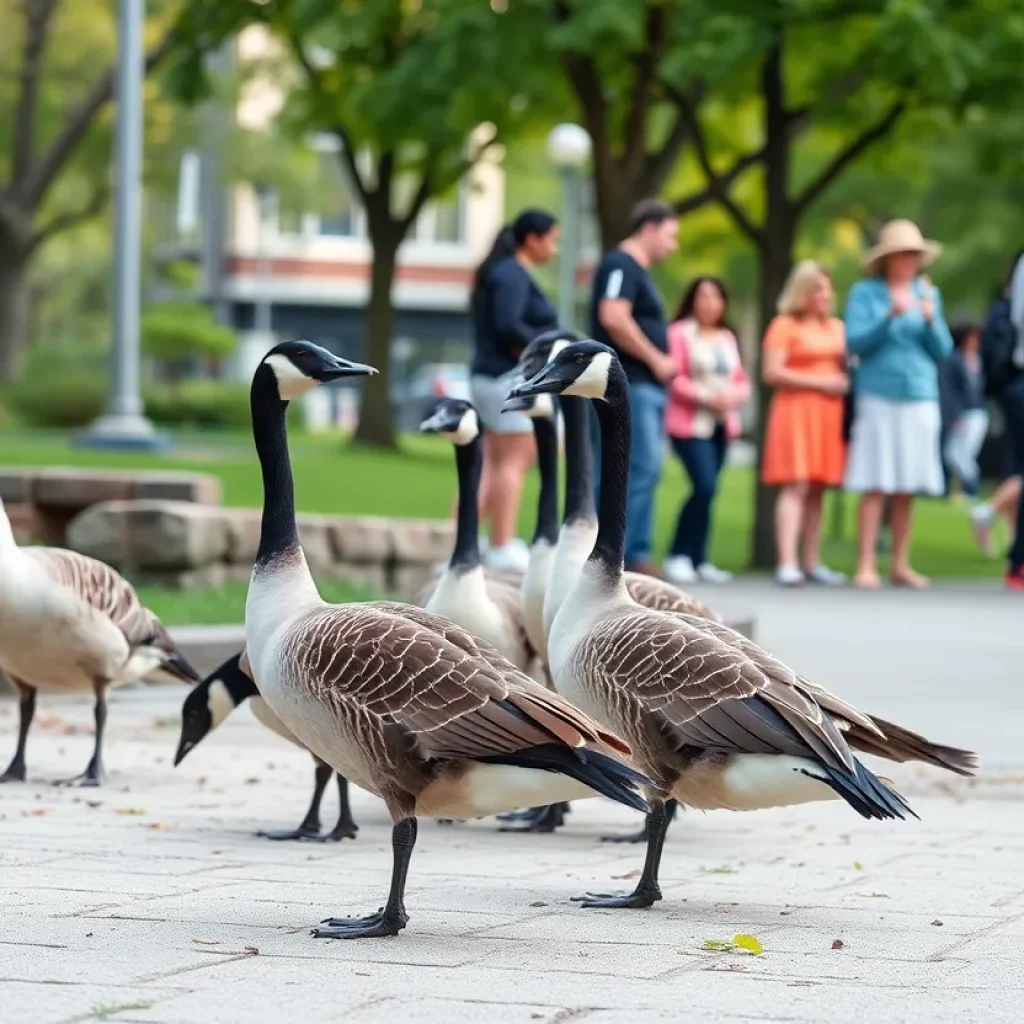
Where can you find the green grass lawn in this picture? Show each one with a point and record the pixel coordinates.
(226, 605)
(420, 481)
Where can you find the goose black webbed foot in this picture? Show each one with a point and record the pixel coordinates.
(304, 833)
(385, 922)
(641, 897)
(346, 828)
(94, 775)
(537, 819)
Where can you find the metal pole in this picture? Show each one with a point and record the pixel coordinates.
(570, 247)
(263, 316)
(124, 425)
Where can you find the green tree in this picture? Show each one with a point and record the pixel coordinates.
(54, 94)
(416, 91)
(836, 73)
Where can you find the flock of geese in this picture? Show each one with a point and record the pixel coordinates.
(491, 694)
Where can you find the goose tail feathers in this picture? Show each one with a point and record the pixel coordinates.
(600, 772)
(868, 794)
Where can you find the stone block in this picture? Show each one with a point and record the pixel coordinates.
(407, 582)
(362, 539)
(372, 577)
(67, 487)
(422, 541)
(315, 538)
(205, 577)
(15, 486)
(198, 487)
(162, 535)
(243, 528)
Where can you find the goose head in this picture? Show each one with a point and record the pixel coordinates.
(582, 369)
(454, 419)
(211, 702)
(299, 366)
(542, 349)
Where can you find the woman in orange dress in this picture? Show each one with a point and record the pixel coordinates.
(804, 452)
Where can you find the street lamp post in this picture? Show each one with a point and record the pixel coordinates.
(124, 424)
(569, 150)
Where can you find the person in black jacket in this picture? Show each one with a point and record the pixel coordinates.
(508, 311)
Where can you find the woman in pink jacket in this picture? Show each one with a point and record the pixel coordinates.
(701, 419)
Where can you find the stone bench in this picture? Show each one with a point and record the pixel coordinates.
(41, 503)
(181, 544)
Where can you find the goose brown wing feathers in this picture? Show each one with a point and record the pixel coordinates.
(394, 667)
(662, 596)
(708, 693)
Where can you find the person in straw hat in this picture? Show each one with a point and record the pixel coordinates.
(896, 328)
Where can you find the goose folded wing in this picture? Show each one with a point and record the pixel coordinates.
(708, 693)
(659, 596)
(106, 592)
(449, 702)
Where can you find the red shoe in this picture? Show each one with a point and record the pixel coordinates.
(1015, 578)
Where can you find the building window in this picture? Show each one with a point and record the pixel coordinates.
(339, 209)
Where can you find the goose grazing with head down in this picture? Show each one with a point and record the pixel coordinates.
(487, 608)
(69, 623)
(214, 699)
(712, 717)
(399, 700)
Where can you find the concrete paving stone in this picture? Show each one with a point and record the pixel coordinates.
(22, 1001)
(493, 935)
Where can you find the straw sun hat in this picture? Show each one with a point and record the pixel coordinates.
(900, 236)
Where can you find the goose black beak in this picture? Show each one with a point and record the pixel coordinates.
(183, 748)
(550, 380)
(517, 405)
(337, 368)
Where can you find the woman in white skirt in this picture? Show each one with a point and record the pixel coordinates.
(896, 329)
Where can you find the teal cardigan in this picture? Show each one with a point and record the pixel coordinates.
(898, 357)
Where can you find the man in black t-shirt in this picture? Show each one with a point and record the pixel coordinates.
(627, 313)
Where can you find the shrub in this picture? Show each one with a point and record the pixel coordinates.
(58, 396)
(177, 331)
(199, 403)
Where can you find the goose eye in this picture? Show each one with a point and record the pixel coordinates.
(579, 359)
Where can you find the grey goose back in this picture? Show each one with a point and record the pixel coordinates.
(209, 704)
(69, 623)
(713, 718)
(399, 700)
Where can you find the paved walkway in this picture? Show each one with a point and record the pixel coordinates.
(151, 900)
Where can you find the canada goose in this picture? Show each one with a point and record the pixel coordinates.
(486, 608)
(214, 699)
(712, 717)
(579, 523)
(68, 623)
(401, 702)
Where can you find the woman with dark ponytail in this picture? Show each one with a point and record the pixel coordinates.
(508, 311)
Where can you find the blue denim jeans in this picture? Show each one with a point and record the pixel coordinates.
(647, 410)
(703, 458)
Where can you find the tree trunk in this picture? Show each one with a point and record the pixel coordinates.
(14, 308)
(775, 256)
(376, 427)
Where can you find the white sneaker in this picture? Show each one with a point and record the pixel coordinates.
(789, 576)
(981, 523)
(511, 557)
(825, 576)
(680, 571)
(712, 574)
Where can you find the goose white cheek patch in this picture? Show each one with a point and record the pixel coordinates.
(593, 381)
(543, 408)
(468, 429)
(291, 381)
(219, 702)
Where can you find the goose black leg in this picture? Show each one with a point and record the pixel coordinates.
(647, 890)
(641, 837)
(94, 773)
(310, 827)
(392, 918)
(26, 711)
(346, 828)
(537, 819)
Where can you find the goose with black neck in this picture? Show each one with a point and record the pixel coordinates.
(400, 701)
(713, 718)
(209, 704)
